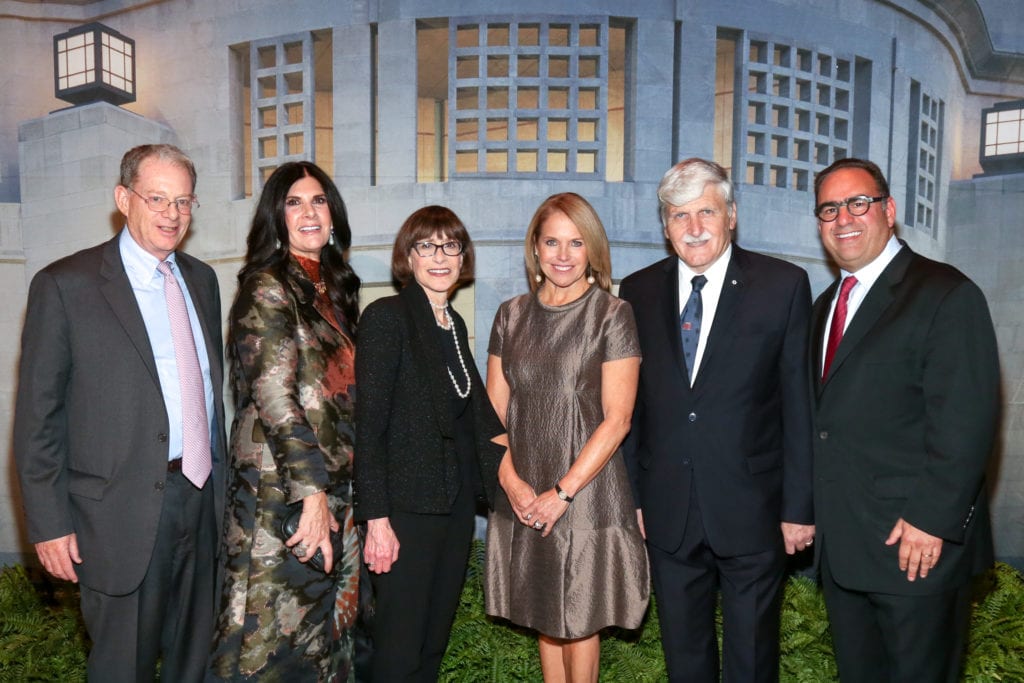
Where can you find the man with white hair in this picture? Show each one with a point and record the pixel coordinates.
(720, 448)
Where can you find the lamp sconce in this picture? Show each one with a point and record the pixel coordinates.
(1002, 138)
(94, 63)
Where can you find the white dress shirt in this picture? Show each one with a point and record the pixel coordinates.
(866, 277)
(710, 295)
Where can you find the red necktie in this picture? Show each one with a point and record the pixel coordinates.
(835, 332)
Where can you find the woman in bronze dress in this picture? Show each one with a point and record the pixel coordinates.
(292, 369)
(565, 555)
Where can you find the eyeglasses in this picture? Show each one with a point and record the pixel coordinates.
(159, 204)
(428, 249)
(856, 206)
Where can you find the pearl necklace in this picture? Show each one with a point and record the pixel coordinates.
(458, 351)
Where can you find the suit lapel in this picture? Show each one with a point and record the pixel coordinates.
(878, 299)
(728, 302)
(670, 314)
(206, 316)
(818, 317)
(117, 290)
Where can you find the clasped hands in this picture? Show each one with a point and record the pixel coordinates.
(539, 512)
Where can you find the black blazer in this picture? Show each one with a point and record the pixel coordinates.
(741, 436)
(405, 456)
(90, 431)
(904, 425)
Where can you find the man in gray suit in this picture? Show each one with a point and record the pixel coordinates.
(117, 431)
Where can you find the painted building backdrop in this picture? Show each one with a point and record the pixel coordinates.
(412, 102)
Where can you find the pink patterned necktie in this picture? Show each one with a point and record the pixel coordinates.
(195, 455)
(835, 332)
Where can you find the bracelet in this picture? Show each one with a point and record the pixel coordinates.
(562, 494)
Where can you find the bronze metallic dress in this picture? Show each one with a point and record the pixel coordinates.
(591, 571)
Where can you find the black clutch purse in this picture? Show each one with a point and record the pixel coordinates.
(291, 524)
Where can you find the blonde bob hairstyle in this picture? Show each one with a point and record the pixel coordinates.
(582, 214)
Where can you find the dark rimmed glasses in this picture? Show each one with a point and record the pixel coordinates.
(428, 249)
(856, 206)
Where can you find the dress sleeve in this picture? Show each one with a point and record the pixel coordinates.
(620, 337)
(497, 340)
(264, 323)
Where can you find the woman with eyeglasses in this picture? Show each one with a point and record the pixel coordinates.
(288, 603)
(428, 447)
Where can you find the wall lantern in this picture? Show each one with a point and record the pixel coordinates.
(94, 63)
(1002, 138)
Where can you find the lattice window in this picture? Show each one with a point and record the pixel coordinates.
(528, 97)
(924, 159)
(282, 103)
(795, 110)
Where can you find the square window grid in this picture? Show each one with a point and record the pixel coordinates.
(528, 96)
(799, 105)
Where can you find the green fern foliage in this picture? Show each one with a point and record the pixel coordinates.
(44, 639)
(38, 641)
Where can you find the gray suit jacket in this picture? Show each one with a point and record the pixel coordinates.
(90, 428)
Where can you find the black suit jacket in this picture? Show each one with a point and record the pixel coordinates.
(904, 425)
(405, 456)
(741, 435)
(90, 428)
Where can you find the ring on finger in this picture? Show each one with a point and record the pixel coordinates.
(529, 515)
(299, 550)
(538, 525)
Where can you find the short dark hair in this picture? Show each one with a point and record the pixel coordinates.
(133, 158)
(423, 224)
(852, 162)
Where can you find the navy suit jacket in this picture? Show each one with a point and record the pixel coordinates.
(90, 428)
(740, 439)
(904, 426)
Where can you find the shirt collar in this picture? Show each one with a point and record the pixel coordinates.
(867, 275)
(714, 273)
(139, 264)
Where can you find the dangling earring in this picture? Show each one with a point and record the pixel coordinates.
(590, 275)
(277, 244)
(330, 240)
(538, 278)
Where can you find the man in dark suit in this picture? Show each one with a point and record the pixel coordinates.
(720, 449)
(906, 385)
(117, 432)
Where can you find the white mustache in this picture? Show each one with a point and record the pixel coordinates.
(703, 237)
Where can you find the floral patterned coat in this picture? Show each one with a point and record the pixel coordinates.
(292, 436)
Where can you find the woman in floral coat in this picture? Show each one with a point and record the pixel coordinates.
(291, 353)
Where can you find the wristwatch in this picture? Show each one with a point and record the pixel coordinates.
(562, 494)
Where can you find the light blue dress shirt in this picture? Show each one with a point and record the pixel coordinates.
(148, 286)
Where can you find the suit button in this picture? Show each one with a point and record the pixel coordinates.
(692, 417)
(161, 437)
(159, 486)
(823, 435)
